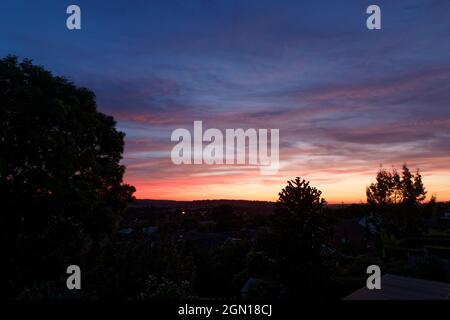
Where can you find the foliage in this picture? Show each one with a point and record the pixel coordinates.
(60, 178)
(301, 233)
(395, 199)
(222, 267)
(160, 288)
(391, 188)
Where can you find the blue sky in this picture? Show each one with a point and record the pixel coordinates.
(346, 99)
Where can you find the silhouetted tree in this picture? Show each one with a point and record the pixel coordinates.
(395, 201)
(302, 234)
(386, 190)
(60, 178)
(390, 188)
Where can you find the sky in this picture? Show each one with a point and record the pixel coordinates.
(345, 99)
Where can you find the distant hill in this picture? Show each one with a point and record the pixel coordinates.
(210, 203)
(199, 203)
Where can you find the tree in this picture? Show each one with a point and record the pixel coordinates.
(386, 189)
(390, 188)
(302, 234)
(395, 201)
(61, 183)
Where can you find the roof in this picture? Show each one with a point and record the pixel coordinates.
(404, 288)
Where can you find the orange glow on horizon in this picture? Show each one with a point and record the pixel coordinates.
(341, 188)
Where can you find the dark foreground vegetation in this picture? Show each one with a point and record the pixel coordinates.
(64, 202)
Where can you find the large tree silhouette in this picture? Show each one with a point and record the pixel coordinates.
(60, 178)
(302, 235)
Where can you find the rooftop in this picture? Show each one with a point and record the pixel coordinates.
(404, 288)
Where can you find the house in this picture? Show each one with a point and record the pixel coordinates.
(404, 288)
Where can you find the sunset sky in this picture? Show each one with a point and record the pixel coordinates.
(345, 99)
